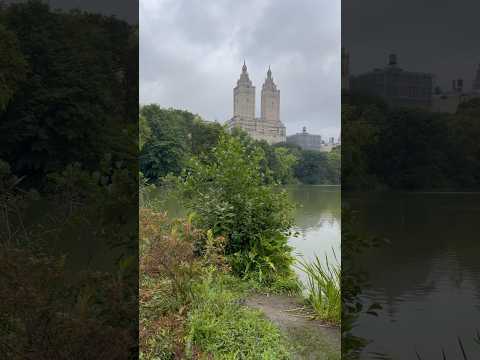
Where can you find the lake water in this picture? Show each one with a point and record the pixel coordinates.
(317, 222)
(427, 279)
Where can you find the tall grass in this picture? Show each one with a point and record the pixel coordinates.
(323, 288)
(220, 328)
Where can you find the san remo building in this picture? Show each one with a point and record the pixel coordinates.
(268, 127)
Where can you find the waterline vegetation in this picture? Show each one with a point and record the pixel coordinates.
(322, 287)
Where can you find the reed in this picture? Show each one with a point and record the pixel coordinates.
(323, 288)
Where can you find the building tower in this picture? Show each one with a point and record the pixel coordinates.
(244, 97)
(476, 81)
(270, 100)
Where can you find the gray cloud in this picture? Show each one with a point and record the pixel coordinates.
(191, 53)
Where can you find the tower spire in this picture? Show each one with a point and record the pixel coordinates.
(270, 99)
(244, 67)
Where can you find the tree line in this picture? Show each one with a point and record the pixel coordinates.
(170, 137)
(401, 148)
(68, 176)
(68, 89)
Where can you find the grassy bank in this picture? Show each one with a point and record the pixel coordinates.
(191, 306)
(196, 272)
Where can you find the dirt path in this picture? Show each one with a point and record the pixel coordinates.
(311, 339)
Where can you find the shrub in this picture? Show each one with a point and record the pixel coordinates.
(50, 308)
(169, 268)
(48, 316)
(228, 194)
(167, 253)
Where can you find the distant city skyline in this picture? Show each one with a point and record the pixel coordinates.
(191, 55)
(440, 37)
(443, 80)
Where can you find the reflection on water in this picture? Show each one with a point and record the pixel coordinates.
(317, 221)
(427, 279)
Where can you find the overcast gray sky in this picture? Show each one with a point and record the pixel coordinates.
(191, 53)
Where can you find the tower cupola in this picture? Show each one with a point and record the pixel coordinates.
(244, 96)
(270, 99)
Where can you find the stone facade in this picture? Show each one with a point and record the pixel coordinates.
(448, 102)
(268, 127)
(306, 141)
(396, 86)
(244, 97)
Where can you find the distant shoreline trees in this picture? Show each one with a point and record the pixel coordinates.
(177, 135)
(410, 149)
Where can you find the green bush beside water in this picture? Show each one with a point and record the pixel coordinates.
(227, 193)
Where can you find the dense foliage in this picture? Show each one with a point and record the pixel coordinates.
(228, 194)
(189, 303)
(170, 137)
(173, 137)
(315, 167)
(71, 89)
(409, 148)
(68, 169)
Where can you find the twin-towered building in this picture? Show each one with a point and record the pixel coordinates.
(268, 127)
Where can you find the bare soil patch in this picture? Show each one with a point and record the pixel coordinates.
(311, 339)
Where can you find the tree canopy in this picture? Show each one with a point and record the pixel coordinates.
(404, 148)
(170, 137)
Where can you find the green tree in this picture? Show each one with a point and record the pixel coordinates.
(358, 136)
(175, 135)
(72, 105)
(283, 165)
(13, 66)
(313, 168)
(228, 195)
(334, 161)
(144, 132)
